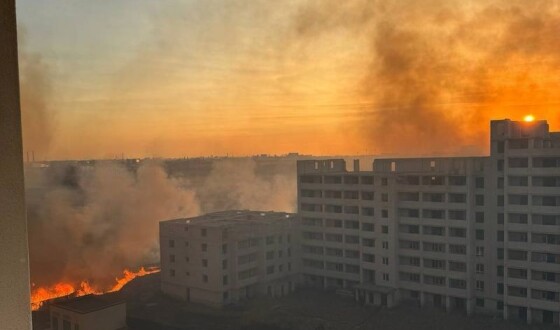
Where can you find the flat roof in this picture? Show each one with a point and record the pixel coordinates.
(235, 217)
(89, 303)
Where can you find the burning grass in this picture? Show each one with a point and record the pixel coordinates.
(41, 294)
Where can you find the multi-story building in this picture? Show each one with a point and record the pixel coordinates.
(224, 257)
(91, 312)
(474, 233)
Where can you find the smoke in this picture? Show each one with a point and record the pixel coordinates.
(91, 222)
(436, 71)
(235, 184)
(35, 90)
(110, 221)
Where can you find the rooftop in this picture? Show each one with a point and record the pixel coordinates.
(235, 217)
(89, 303)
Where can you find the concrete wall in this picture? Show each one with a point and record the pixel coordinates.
(110, 318)
(15, 310)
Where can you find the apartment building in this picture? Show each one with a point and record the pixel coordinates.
(224, 257)
(90, 312)
(479, 234)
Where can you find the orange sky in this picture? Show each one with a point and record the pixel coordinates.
(189, 78)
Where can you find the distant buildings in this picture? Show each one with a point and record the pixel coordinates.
(224, 257)
(478, 234)
(89, 312)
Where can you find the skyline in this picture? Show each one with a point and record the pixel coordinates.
(194, 78)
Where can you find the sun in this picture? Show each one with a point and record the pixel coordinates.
(529, 118)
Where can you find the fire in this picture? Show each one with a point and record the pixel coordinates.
(529, 118)
(41, 294)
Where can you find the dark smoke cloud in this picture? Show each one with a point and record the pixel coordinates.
(437, 71)
(35, 91)
(92, 222)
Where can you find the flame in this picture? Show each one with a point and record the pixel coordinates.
(41, 294)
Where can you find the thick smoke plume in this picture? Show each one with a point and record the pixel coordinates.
(89, 223)
(437, 71)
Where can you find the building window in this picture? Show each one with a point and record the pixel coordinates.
(480, 285)
(479, 200)
(500, 288)
(225, 280)
(385, 277)
(479, 234)
(479, 182)
(204, 247)
(204, 262)
(385, 261)
(501, 147)
(385, 245)
(480, 251)
(224, 264)
(55, 322)
(172, 272)
(270, 269)
(384, 213)
(203, 232)
(479, 302)
(500, 183)
(500, 253)
(385, 229)
(171, 258)
(480, 268)
(224, 248)
(479, 216)
(384, 181)
(205, 278)
(500, 201)
(171, 243)
(500, 270)
(384, 197)
(269, 240)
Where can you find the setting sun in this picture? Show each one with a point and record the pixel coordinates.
(529, 118)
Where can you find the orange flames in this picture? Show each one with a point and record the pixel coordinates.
(41, 294)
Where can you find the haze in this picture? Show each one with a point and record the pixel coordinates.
(204, 77)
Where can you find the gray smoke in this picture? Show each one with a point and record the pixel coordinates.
(108, 219)
(437, 71)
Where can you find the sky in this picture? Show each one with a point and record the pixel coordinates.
(172, 78)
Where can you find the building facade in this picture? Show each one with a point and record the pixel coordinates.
(91, 312)
(480, 234)
(225, 257)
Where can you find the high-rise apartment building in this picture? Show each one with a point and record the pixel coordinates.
(224, 257)
(480, 234)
